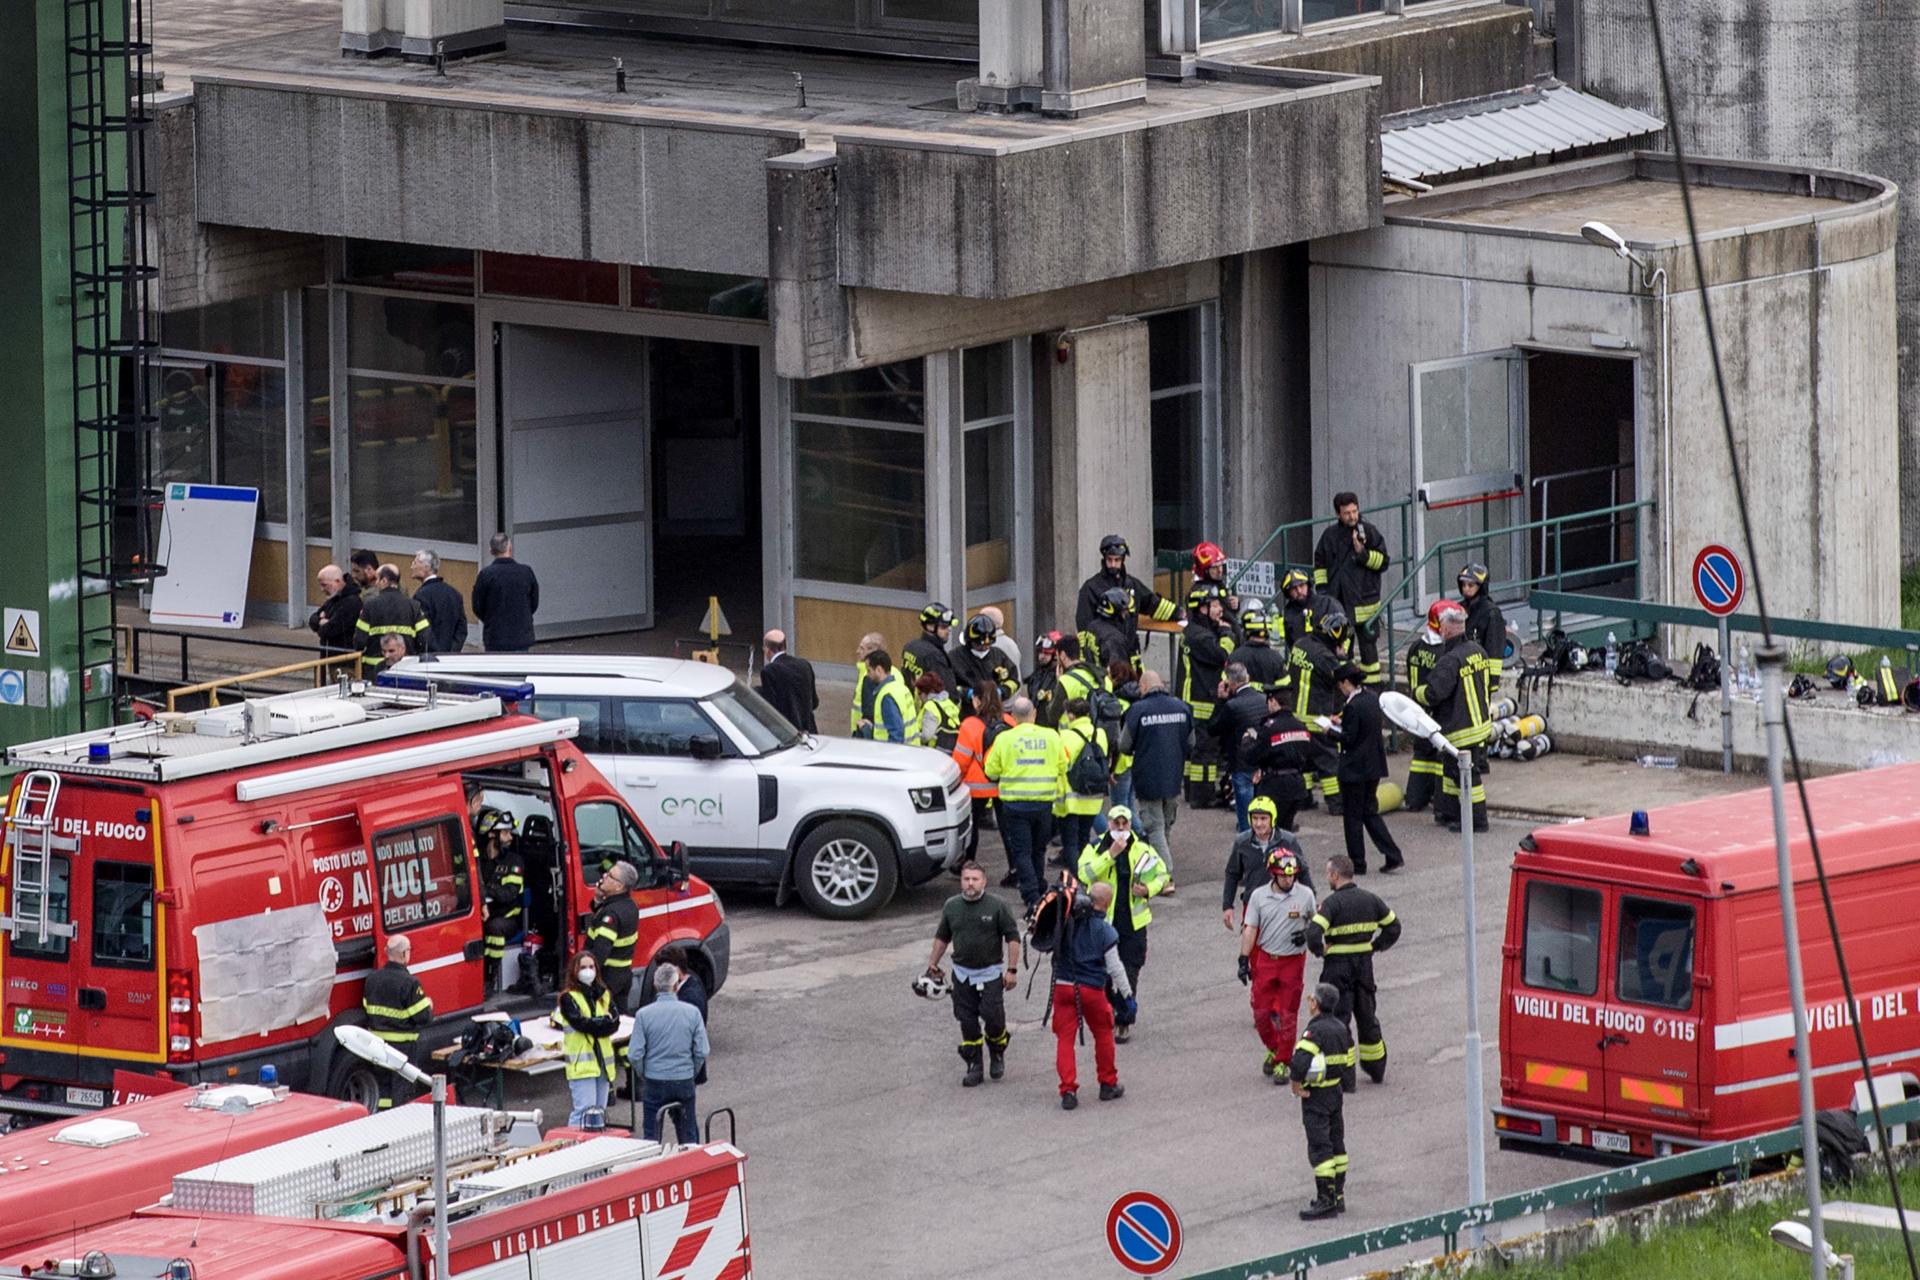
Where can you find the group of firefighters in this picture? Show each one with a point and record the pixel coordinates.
(1266, 695)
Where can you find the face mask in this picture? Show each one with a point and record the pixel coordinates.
(587, 975)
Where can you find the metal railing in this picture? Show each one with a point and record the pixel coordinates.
(1283, 534)
(1592, 1190)
(246, 679)
(1542, 487)
(1672, 615)
(146, 661)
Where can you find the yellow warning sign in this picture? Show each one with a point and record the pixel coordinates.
(23, 632)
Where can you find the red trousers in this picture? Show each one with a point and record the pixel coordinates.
(1276, 999)
(1094, 1008)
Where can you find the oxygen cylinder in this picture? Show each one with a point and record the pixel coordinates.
(1529, 727)
(1503, 709)
(1533, 748)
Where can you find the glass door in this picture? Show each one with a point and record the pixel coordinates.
(1468, 456)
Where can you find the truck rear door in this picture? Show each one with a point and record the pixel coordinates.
(425, 888)
(1549, 1023)
(1652, 1024)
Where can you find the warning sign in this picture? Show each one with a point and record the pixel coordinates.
(23, 632)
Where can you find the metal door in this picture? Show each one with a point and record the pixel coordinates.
(1652, 1025)
(426, 888)
(1555, 994)
(1468, 455)
(576, 460)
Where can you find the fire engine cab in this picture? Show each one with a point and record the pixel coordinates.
(200, 894)
(352, 1200)
(1644, 1006)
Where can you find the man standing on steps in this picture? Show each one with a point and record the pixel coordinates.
(506, 595)
(1347, 564)
(977, 925)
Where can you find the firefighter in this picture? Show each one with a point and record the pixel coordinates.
(1457, 691)
(1314, 658)
(1486, 625)
(1285, 755)
(615, 930)
(388, 611)
(926, 654)
(979, 927)
(587, 1017)
(1139, 599)
(1044, 681)
(503, 880)
(1424, 774)
(1321, 1069)
(1266, 666)
(1210, 565)
(1273, 958)
(1347, 564)
(1349, 927)
(1109, 638)
(396, 1009)
(977, 662)
(1137, 873)
(1302, 605)
(1204, 649)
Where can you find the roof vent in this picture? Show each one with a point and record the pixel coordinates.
(422, 30)
(101, 1131)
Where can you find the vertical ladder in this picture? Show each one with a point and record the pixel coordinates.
(30, 834)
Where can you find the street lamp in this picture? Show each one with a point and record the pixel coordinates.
(363, 1044)
(1409, 715)
(1799, 1238)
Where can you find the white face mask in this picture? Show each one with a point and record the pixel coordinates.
(587, 975)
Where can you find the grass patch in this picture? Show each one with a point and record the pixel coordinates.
(1867, 661)
(1735, 1244)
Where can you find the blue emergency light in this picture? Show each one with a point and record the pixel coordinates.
(505, 690)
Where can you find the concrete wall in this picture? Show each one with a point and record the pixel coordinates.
(1427, 59)
(1788, 81)
(1265, 413)
(1100, 466)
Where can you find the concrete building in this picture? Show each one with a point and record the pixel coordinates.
(887, 300)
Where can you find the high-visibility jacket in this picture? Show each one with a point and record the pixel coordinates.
(1075, 734)
(1458, 691)
(939, 723)
(970, 753)
(587, 1024)
(615, 930)
(1078, 681)
(1145, 867)
(395, 1006)
(1314, 691)
(893, 689)
(1029, 762)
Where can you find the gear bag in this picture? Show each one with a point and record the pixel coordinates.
(1089, 772)
(1704, 674)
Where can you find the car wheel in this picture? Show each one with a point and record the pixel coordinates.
(846, 870)
(353, 1080)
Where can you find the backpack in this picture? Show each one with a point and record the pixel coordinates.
(1052, 917)
(1088, 774)
(1704, 674)
(992, 730)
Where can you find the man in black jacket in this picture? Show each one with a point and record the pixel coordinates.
(926, 653)
(389, 611)
(506, 595)
(1141, 598)
(336, 621)
(1204, 648)
(1350, 926)
(396, 1009)
(1486, 625)
(786, 682)
(440, 601)
(1363, 762)
(1285, 756)
(1235, 721)
(978, 663)
(1347, 563)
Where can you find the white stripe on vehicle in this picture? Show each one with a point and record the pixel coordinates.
(1838, 1068)
(1751, 1031)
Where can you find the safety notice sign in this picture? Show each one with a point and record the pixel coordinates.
(22, 630)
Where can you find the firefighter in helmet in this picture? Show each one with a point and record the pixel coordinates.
(926, 653)
(978, 663)
(1139, 598)
(1205, 647)
(1314, 658)
(503, 882)
(1111, 637)
(1210, 565)
(1424, 774)
(1486, 625)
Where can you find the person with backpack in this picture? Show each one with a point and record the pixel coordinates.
(1029, 764)
(1086, 964)
(1110, 713)
(971, 743)
(1137, 873)
(1089, 773)
(939, 721)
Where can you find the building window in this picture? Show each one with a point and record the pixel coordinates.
(1563, 938)
(423, 874)
(988, 466)
(514, 275)
(958, 13)
(123, 915)
(317, 445)
(411, 418)
(1655, 955)
(1179, 376)
(408, 266)
(706, 293)
(1237, 19)
(860, 478)
(221, 397)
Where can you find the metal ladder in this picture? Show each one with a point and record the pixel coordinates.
(30, 834)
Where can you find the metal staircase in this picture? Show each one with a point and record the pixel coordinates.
(110, 206)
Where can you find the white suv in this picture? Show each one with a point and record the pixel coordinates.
(704, 760)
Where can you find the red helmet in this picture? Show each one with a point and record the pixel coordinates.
(1046, 644)
(1434, 611)
(1206, 555)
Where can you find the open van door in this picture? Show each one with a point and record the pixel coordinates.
(425, 887)
(1549, 1024)
(1652, 1029)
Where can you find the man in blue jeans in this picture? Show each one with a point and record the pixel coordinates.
(668, 1048)
(1236, 715)
(1029, 764)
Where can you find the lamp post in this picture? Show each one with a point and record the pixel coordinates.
(363, 1044)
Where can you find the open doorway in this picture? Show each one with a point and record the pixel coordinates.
(1580, 458)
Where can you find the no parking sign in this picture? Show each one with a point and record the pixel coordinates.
(1718, 580)
(1144, 1233)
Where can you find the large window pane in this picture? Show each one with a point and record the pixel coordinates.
(319, 446)
(123, 915)
(1328, 10)
(837, 12)
(407, 335)
(409, 266)
(516, 275)
(253, 433)
(959, 12)
(861, 500)
(989, 381)
(183, 447)
(413, 460)
(1563, 938)
(890, 393)
(989, 505)
(249, 327)
(1177, 473)
(1175, 354)
(706, 293)
(1655, 953)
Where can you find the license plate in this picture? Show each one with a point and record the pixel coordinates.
(86, 1097)
(1617, 1142)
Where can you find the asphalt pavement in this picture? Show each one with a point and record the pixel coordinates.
(866, 1155)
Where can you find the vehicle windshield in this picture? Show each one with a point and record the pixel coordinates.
(765, 729)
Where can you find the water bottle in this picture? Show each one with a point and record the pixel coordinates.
(1659, 762)
(1613, 652)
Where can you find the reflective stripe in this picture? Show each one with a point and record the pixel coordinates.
(1364, 926)
(399, 1015)
(1306, 1044)
(1652, 1091)
(1375, 1052)
(1553, 1077)
(1350, 949)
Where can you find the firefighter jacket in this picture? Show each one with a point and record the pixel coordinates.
(924, 656)
(1352, 578)
(1421, 655)
(1076, 734)
(1043, 686)
(1314, 691)
(1236, 722)
(1284, 753)
(395, 1005)
(1487, 627)
(1349, 927)
(1458, 690)
(1205, 647)
(1109, 642)
(1145, 600)
(615, 930)
(389, 612)
(984, 670)
(503, 877)
(1302, 617)
(1266, 666)
(1326, 1037)
(587, 1021)
(1144, 866)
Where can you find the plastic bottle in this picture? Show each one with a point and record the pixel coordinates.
(1613, 652)
(1659, 762)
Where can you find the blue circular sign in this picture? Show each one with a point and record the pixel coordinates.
(1718, 581)
(13, 687)
(1144, 1233)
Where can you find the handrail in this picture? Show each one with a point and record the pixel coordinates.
(1544, 484)
(212, 687)
(1404, 506)
(1557, 602)
(1739, 1154)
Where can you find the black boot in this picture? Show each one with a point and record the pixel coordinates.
(1376, 1071)
(1334, 807)
(1350, 1081)
(970, 1054)
(490, 976)
(1340, 1190)
(997, 1058)
(1324, 1205)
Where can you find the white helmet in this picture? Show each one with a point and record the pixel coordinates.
(932, 985)
(1317, 1072)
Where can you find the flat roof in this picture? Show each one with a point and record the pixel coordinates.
(677, 676)
(1642, 209)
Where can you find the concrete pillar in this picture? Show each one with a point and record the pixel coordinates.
(1266, 427)
(1100, 480)
(1095, 55)
(806, 305)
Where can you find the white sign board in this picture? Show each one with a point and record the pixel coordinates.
(1258, 580)
(23, 632)
(206, 543)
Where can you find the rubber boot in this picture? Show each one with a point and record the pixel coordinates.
(970, 1054)
(996, 1059)
(1350, 1081)
(1324, 1205)
(1340, 1190)
(1376, 1071)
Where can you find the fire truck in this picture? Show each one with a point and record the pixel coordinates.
(1644, 1006)
(352, 1200)
(201, 894)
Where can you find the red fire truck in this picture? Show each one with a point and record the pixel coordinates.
(1643, 996)
(202, 894)
(353, 1201)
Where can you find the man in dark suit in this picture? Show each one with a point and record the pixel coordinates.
(1363, 762)
(506, 595)
(440, 601)
(786, 682)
